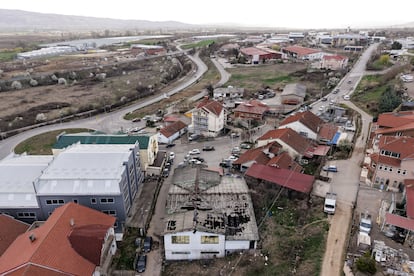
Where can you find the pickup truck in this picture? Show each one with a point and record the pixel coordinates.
(330, 203)
(365, 223)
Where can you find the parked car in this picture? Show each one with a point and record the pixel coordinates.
(225, 164)
(235, 150)
(245, 146)
(194, 161)
(147, 244)
(194, 151)
(324, 99)
(165, 173)
(170, 145)
(330, 168)
(347, 97)
(208, 148)
(232, 158)
(198, 158)
(193, 137)
(336, 91)
(141, 264)
(172, 155)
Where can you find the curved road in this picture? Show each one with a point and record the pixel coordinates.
(107, 122)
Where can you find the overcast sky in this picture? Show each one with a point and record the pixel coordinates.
(268, 13)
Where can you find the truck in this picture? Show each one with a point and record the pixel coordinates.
(365, 222)
(330, 203)
(363, 242)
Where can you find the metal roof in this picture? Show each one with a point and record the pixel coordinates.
(85, 169)
(66, 140)
(18, 173)
(221, 205)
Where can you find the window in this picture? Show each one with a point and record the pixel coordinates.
(404, 172)
(180, 239)
(399, 171)
(93, 200)
(374, 165)
(26, 215)
(75, 200)
(209, 239)
(390, 169)
(180, 252)
(210, 252)
(109, 212)
(55, 201)
(380, 167)
(107, 200)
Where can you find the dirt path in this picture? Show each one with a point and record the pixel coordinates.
(337, 238)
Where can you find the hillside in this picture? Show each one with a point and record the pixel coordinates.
(18, 20)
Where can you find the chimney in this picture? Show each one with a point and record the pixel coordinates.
(32, 237)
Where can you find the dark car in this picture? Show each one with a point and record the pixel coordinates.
(141, 263)
(324, 99)
(199, 158)
(147, 244)
(208, 148)
(170, 145)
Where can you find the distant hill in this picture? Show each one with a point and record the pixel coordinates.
(18, 20)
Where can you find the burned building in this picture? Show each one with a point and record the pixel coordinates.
(208, 215)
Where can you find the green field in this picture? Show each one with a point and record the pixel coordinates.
(42, 144)
(255, 77)
(7, 55)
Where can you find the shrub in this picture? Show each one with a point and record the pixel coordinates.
(366, 264)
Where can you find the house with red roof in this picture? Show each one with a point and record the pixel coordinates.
(171, 132)
(394, 162)
(393, 124)
(10, 229)
(75, 240)
(334, 62)
(208, 118)
(271, 154)
(255, 55)
(303, 53)
(291, 180)
(292, 142)
(293, 93)
(252, 109)
(305, 123)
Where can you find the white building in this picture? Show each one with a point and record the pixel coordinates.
(228, 93)
(171, 132)
(208, 118)
(219, 222)
(17, 192)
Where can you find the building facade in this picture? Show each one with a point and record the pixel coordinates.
(208, 118)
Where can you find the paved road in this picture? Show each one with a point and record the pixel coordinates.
(107, 122)
(346, 182)
(348, 84)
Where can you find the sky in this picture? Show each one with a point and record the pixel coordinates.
(266, 13)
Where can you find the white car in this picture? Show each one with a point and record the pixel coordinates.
(172, 155)
(194, 151)
(347, 97)
(321, 108)
(232, 158)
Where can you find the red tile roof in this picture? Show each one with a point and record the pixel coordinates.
(284, 161)
(335, 57)
(210, 106)
(386, 160)
(409, 194)
(392, 119)
(403, 145)
(252, 107)
(327, 131)
(301, 51)
(402, 128)
(307, 118)
(290, 137)
(258, 154)
(282, 177)
(251, 51)
(51, 248)
(10, 229)
(173, 128)
(403, 222)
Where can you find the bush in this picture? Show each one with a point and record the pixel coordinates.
(366, 264)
